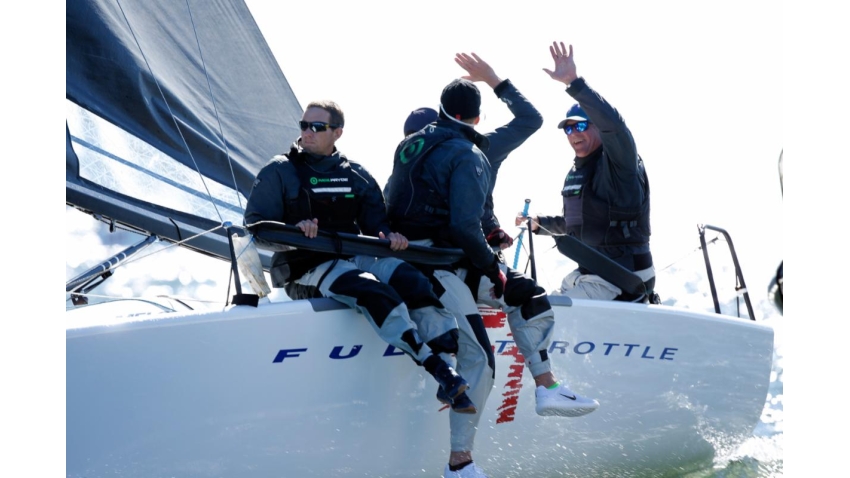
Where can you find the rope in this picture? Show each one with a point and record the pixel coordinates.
(689, 254)
(177, 243)
(143, 297)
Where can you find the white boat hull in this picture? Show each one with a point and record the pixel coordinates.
(285, 390)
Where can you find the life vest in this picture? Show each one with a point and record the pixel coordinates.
(328, 196)
(598, 223)
(414, 208)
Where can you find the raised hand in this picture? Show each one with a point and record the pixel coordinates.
(478, 69)
(565, 65)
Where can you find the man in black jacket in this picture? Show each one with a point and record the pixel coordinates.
(440, 193)
(605, 194)
(313, 186)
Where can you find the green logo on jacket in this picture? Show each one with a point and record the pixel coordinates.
(412, 150)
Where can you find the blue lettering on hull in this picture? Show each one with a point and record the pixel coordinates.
(606, 349)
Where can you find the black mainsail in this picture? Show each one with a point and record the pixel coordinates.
(173, 106)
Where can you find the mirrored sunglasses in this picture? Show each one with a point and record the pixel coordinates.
(581, 127)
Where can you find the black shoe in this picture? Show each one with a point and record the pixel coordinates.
(449, 380)
(460, 404)
(442, 397)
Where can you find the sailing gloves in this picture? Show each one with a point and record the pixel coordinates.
(497, 277)
(499, 238)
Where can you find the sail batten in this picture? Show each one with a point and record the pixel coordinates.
(173, 108)
(116, 160)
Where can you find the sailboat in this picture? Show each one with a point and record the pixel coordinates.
(171, 109)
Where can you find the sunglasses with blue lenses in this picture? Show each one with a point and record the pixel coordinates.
(317, 126)
(581, 127)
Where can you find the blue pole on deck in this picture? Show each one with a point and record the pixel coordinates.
(519, 238)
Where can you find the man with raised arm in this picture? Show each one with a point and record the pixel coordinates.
(440, 193)
(606, 193)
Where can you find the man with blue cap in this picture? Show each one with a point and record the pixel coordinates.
(418, 119)
(606, 193)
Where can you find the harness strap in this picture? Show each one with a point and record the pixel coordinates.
(626, 225)
(436, 210)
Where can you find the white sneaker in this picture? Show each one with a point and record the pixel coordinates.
(563, 402)
(469, 471)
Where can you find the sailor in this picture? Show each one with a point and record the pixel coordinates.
(605, 194)
(315, 187)
(438, 195)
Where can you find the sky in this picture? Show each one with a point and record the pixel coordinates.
(707, 88)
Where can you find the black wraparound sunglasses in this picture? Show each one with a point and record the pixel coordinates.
(317, 126)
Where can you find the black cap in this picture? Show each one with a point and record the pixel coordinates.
(461, 99)
(419, 119)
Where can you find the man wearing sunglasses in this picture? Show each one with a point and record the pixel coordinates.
(605, 194)
(439, 193)
(313, 187)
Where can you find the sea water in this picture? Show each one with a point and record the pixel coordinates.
(685, 284)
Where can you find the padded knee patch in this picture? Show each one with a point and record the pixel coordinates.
(413, 287)
(445, 343)
(410, 339)
(536, 306)
(297, 291)
(519, 290)
(378, 298)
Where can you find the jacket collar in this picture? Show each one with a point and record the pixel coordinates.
(296, 152)
(467, 131)
(589, 159)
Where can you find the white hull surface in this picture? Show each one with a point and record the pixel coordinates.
(306, 388)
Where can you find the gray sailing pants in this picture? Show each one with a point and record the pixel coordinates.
(377, 301)
(473, 362)
(470, 361)
(532, 322)
(590, 286)
(431, 318)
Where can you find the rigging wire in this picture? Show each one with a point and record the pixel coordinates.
(181, 299)
(140, 257)
(169, 246)
(168, 106)
(215, 109)
(680, 259)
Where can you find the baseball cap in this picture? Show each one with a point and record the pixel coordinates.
(419, 119)
(575, 113)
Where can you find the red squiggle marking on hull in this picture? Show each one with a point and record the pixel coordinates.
(510, 398)
(495, 319)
